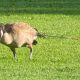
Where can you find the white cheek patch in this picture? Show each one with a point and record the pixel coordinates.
(1, 33)
(7, 38)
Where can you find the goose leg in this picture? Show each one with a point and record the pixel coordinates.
(30, 47)
(14, 52)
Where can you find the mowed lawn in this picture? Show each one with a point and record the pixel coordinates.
(54, 58)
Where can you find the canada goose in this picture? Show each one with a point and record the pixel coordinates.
(18, 35)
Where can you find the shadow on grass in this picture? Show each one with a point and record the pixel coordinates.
(68, 7)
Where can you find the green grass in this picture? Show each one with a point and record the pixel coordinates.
(54, 58)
